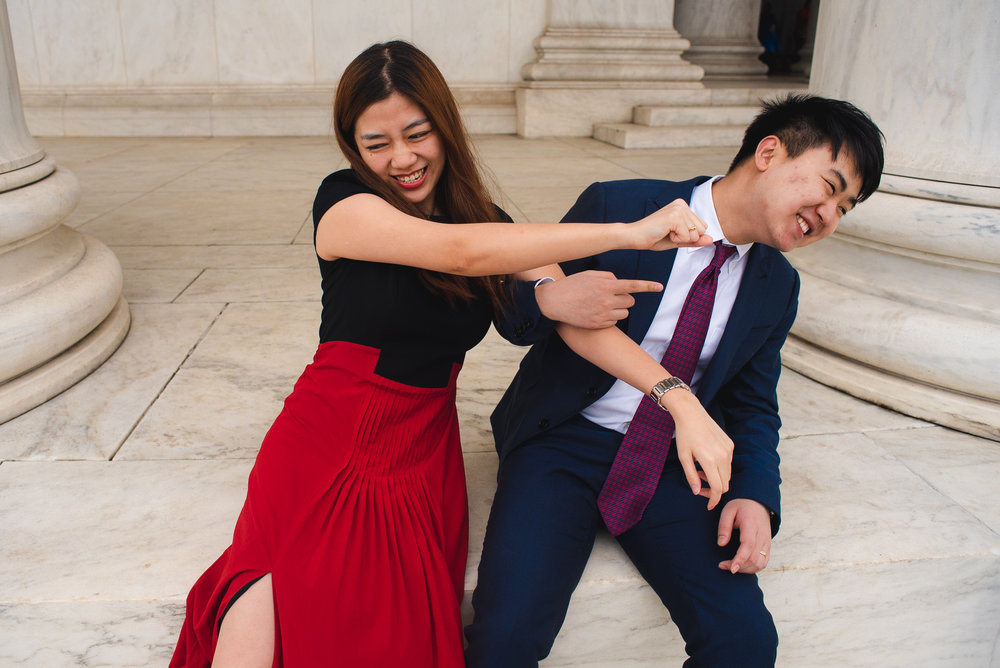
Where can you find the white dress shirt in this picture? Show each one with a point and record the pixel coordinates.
(615, 409)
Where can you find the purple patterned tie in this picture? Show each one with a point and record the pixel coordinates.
(639, 462)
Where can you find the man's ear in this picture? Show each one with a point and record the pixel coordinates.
(767, 150)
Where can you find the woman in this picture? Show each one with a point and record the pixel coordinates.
(351, 546)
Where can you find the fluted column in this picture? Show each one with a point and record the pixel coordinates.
(723, 36)
(61, 309)
(596, 60)
(902, 305)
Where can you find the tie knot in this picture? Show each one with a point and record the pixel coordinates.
(722, 253)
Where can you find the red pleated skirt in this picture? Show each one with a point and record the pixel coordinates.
(357, 508)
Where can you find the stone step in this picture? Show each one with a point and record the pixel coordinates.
(717, 116)
(670, 116)
(631, 135)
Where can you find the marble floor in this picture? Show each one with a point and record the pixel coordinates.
(116, 494)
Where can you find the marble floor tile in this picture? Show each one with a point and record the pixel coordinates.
(962, 467)
(92, 419)
(138, 150)
(577, 173)
(114, 531)
(97, 203)
(196, 149)
(923, 612)
(544, 204)
(203, 219)
(221, 403)
(592, 146)
(217, 257)
(289, 151)
(160, 286)
(89, 634)
(808, 407)
(251, 176)
(107, 175)
(847, 501)
(304, 237)
(682, 165)
(259, 284)
(266, 338)
(491, 147)
(73, 151)
(209, 414)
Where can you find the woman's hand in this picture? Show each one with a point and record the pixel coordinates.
(670, 227)
(700, 440)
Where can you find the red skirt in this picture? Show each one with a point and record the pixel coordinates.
(357, 508)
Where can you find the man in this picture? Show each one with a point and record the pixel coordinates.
(805, 162)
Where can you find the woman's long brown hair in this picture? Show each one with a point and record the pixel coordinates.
(400, 67)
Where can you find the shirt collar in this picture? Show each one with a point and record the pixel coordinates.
(703, 206)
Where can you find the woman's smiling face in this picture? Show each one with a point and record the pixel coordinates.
(398, 143)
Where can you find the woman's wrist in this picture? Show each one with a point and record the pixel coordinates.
(671, 393)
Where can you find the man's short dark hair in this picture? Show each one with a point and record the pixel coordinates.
(803, 122)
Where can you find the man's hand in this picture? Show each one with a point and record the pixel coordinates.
(753, 521)
(590, 299)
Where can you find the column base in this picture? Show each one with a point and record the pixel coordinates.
(727, 59)
(37, 386)
(947, 408)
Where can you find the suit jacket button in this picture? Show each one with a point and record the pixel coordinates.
(591, 392)
(543, 423)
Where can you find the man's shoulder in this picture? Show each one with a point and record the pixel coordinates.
(649, 188)
(772, 261)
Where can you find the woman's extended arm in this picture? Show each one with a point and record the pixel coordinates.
(366, 227)
(699, 438)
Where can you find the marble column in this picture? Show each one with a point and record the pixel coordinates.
(902, 305)
(61, 307)
(596, 61)
(723, 36)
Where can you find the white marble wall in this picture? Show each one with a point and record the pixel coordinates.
(138, 43)
(231, 67)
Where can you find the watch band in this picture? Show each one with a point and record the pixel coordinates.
(664, 386)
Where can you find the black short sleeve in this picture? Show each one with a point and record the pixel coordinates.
(335, 187)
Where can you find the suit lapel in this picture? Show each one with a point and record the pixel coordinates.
(655, 265)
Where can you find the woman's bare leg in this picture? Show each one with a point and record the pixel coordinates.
(246, 638)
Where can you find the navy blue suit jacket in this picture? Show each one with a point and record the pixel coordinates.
(739, 387)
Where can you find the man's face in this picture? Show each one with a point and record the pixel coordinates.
(806, 196)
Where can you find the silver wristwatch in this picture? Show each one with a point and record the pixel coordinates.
(665, 386)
